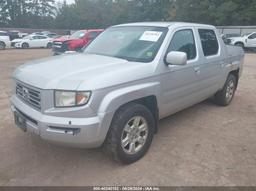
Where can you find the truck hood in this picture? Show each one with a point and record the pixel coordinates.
(61, 39)
(237, 38)
(80, 72)
(17, 40)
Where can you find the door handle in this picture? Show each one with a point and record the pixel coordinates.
(222, 64)
(197, 70)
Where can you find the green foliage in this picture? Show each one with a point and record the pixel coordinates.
(103, 13)
(27, 13)
(217, 12)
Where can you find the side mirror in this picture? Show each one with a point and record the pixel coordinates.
(176, 58)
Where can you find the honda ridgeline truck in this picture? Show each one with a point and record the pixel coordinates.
(115, 91)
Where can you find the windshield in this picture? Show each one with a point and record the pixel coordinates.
(247, 34)
(139, 44)
(77, 35)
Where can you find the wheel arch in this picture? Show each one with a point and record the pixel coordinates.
(149, 102)
(25, 43)
(3, 43)
(239, 42)
(145, 94)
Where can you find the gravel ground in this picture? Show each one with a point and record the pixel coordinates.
(204, 145)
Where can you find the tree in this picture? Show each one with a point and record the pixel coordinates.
(103, 13)
(26, 13)
(217, 12)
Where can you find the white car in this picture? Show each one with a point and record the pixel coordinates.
(4, 40)
(33, 41)
(246, 41)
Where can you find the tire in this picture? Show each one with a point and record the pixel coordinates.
(135, 143)
(78, 49)
(25, 45)
(2, 46)
(49, 45)
(226, 95)
(240, 44)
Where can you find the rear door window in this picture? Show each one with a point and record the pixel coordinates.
(209, 42)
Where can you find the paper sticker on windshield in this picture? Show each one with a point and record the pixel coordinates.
(151, 36)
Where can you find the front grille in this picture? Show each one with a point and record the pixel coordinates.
(60, 47)
(29, 95)
(13, 44)
(57, 44)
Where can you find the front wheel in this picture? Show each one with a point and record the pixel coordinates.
(130, 134)
(226, 95)
(2, 45)
(25, 45)
(49, 45)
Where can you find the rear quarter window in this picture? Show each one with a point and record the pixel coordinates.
(3, 34)
(209, 42)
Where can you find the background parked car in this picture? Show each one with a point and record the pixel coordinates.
(4, 40)
(14, 41)
(247, 41)
(75, 42)
(34, 41)
(226, 37)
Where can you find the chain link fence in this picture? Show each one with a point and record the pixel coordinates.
(236, 29)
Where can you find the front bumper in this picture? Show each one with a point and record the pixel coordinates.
(72, 132)
(59, 48)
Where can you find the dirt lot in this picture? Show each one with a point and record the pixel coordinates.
(203, 145)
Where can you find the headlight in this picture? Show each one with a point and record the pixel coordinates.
(71, 98)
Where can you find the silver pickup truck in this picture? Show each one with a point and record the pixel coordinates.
(115, 91)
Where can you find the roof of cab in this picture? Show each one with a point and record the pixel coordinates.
(166, 24)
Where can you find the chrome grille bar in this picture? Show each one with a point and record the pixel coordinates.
(29, 95)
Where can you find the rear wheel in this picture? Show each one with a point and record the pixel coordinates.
(2, 45)
(49, 45)
(130, 134)
(226, 95)
(25, 45)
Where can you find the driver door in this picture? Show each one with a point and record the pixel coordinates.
(180, 83)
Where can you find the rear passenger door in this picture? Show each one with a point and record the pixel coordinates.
(213, 61)
(42, 41)
(33, 41)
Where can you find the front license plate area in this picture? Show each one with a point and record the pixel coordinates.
(20, 121)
